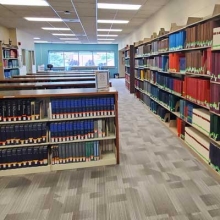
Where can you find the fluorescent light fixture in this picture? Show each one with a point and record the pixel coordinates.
(43, 19)
(113, 21)
(118, 6)
(106, 39)
(40, 41)
(108, 30)
(36, 38)
(73, 42)
(24, 2)
(56, 29)
(107, 42)
(107, 35)
(69, 39)
(57, 34)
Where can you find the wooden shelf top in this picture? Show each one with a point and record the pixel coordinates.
(44, 79)
(56, 75)
(45, 84)
(41, 93)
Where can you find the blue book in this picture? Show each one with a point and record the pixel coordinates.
(83, 106)
(68, 108)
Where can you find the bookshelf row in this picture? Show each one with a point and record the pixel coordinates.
(9, 59)
(177, 76)
(41, 131)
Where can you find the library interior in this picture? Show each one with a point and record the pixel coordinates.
(109, 109)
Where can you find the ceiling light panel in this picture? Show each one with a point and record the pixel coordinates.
(56, 29)
(112, 21)
(43, 19)
(40, 41)
(36, 38)
(69, 39)
(24, 2)
(107, 35)
(108, 30)
(106, 39)
(58, 34)
(118, 6)
(73, 42)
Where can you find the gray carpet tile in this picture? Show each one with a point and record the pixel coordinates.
(158, 178)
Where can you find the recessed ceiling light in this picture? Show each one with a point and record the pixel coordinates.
(56, 29)
(57, 34)
(69, 38)
(107, 35)
(43, 19)
(40, 41)
(36, 38)
(24, 2)
(106, 39)
(118, 6)
(113, 30)
(113, 21)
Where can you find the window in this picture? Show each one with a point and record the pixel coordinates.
(56, 59)
(85, 58)
(81, 58)
(71, 59)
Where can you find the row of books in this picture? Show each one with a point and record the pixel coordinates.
(198, 61)
(127, 53)
(215, 67)
(214, 155)
(215, 98)
(10, 53)
(76, 152)
(180, 124)
(21, 110)
(10, 63)
(200, 35)
(9, 73)
(139, 62)
(199, 142)
(139, 51)
(154, 47)
(17, 134)
(163, 45)
(23, 157)
(177, 40)
(177, 62)
(81, 107)
(197, 90)
(170, 83)
(215, 128)
(80, 130)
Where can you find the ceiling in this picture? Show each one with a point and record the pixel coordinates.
(84, 10)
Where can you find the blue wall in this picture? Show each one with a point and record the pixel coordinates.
(41, 51)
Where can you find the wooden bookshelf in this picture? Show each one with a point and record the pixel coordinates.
(81, 150)
(129, 68)
(56, 75)
(154, 82)
(9, 61)
(47, 79)
(47, 85)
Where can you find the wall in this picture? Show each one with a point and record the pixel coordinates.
(4, 34)
(176, 11)
(27, 43)
(42, 51)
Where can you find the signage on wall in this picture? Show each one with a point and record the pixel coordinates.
(102, 80)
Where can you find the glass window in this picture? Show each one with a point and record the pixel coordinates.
(71, 59)
(56, 58)
(99, 58)
(85, 58)
(110, 59)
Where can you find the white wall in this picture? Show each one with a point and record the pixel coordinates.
(176, 11)
(27, 43)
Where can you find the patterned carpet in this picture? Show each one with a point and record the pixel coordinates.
(158, 178)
